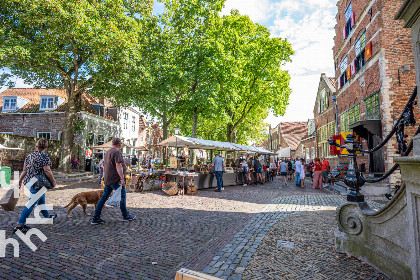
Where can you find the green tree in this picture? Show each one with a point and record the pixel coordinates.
(77, 45)
(247, 67)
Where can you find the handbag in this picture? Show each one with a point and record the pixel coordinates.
(212, 170)
(42, 181)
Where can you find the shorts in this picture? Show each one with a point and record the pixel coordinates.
(325, 174)
(258, 170)
(283, 173)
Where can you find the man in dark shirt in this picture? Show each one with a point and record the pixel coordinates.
(134, 161)
(114, 177)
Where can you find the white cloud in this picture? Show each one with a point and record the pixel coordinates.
(257, 10)
(309, 26)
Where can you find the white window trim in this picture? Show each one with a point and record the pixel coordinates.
(38, 133)
(10, 98)
(48, 108)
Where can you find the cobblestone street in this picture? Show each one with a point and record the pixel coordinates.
(233, 235)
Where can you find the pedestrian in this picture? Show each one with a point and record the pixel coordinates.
(325, 171)
(317, 182)
(289, 169)
(134, 161)
(114, 178)
(257, 170)
(283, 171)
(245, 170)
(298, 166)
(310, 168)
(101, 171)
(75, 162)
(293, 168)
(218, 164)
(302, 173)
(36, 163)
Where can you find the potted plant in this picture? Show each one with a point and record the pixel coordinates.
(342, 171)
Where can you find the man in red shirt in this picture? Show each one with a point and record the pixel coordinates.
(325, 171)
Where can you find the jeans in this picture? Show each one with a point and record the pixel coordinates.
(219, 178)
(107, 192)
(27, 211)
(101, 174)
(297, 178)
(244, 177)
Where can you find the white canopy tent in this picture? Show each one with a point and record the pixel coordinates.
(284, 153)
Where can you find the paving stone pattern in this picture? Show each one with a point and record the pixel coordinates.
(169, 233)
(231, 262)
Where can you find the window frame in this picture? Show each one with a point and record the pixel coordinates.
(9, 100)
(48, 100)
(370, 114)
(43, 132)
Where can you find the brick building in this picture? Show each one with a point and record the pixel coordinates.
(287, 135)
(307, 145)
(374, 74)
(324, 116)
(149, 136)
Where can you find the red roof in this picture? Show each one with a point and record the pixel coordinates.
(34, 97)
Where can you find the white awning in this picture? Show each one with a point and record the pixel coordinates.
(2, 147)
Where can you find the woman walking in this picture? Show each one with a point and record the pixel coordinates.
(36, 163)
(317, 174)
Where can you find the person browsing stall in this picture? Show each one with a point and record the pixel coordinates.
(218, 164)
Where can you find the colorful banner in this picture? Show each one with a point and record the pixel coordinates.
(368, 51)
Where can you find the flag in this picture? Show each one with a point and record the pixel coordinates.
(368, 51)
(352, 19)
(348, 73)
(344, 33)
(353, 67)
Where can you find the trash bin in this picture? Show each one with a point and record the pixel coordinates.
(6, 173)
(88, 165)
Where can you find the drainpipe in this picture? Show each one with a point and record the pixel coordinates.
(334, 99)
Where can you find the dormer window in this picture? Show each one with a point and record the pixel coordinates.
(50, 102)
(9, 103)
(13, 103)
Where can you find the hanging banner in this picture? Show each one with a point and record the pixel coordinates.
(368, 51)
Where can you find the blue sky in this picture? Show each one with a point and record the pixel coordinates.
(309, 27)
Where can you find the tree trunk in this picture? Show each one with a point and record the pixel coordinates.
(229, 132)
(194, 126)
(74, 104)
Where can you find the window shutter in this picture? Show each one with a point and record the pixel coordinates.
(368, 51)
(353, 67)
(344, 33)
(352, 20)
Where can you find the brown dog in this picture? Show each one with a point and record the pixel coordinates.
(83, 199)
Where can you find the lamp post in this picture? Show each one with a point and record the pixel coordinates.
(334, 99)
(177, 131)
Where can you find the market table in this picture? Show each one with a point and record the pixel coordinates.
(184, 176)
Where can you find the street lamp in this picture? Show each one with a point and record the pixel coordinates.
(334, 99)
(177, 131)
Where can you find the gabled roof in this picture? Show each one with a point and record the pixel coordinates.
(293, 132)
(34, 97)
(330, 82)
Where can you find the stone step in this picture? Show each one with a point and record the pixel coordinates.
(74, 177)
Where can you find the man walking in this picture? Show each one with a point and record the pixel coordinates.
(283, 171)
(114, 177)
(218, 164)
(298, 166)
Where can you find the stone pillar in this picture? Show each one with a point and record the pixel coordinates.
(410, 171)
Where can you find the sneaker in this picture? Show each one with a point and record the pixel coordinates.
(326, 185)
(128, 218)
(53, 216)
(217, 190)
(24, 229)
(223, 188)
(245, 185)
(97, 221)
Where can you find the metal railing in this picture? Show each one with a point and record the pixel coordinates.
(354, 179)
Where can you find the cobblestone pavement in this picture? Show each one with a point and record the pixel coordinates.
(169, 233)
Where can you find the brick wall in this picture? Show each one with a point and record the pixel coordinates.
(391, 49)
(30, 125)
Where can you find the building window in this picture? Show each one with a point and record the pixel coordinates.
(372, 105)
(350, 20)
(46, 135)
(359, 48)
(134, 124)
(331, 129)
(89, 139)
(100, 140)
(349, 117)
(323, 101)
(47, 103)
(9, 103)
(343, 75)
